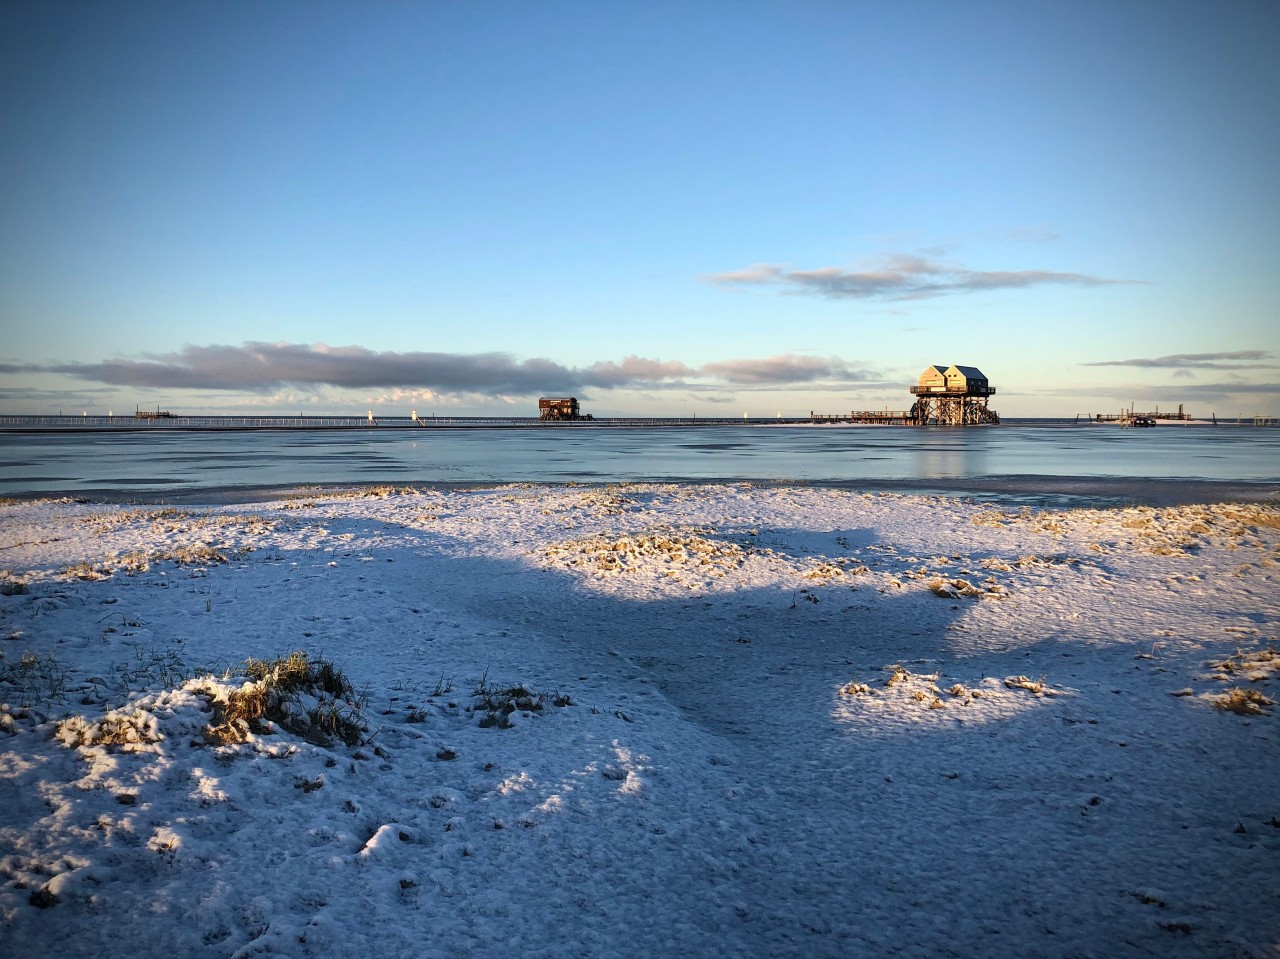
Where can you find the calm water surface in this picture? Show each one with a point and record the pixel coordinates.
(1080, 458)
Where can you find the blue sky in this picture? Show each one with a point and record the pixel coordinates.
(663, 208)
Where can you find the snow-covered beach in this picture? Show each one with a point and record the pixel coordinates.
(639, 720)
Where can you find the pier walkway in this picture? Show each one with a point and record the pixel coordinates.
(174, 423)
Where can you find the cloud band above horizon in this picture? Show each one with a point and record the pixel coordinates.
(899, 277)
(1237, 360)
(264, 367)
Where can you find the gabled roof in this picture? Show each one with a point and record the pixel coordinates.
(970, 372)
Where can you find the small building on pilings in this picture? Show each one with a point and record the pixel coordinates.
(560, 409)
(953, 396)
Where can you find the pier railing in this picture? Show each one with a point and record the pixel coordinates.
(948, 392)
(195, 423)
(871, 417)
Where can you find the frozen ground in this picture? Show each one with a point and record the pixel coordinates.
(644, 720)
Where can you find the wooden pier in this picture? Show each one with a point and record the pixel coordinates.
(159, 414)
(1130, 418)
(367, 424)
(867, 417)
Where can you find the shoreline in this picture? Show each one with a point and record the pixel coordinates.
(1062, 492)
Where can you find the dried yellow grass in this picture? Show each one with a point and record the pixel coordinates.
(1037, 686)
(1254, 665)
(87, 571)
(138, 561)
(272, 694)
(678, 547)
(955, 588)
(116, 730)
(1243, 702)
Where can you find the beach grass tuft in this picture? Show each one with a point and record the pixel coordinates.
(308, 696)
(1037, 686)
(34, 679)
(1243, 702)
(140, 561)
(498, 704)
(124, 731)
(1254, 664)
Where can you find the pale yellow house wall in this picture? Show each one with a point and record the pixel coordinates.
(933, 378)
(959, 382)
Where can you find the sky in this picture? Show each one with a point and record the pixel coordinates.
(664, 209)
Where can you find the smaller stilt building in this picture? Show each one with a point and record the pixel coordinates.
(554, 409)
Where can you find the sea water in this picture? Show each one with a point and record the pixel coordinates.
(1028, 456)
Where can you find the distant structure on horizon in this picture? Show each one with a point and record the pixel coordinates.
(560, 409)
(953, 396)
(159, 414)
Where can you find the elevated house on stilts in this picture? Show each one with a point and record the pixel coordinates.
(953, 396)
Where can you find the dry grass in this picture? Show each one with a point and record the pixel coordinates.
(1050, 523)
(897, 674)
(904, 686)
(921, 688)
(823, 572)
(1158, 531)
(138, 561)
(117, 519)
(951, 588)
(1180, 530)
(195, 554)
(1047, 560)
(126, 732)
(498, 703)
(1175, 530)
(1243, 702)
(1037, 686)
(33, 679)
(609, 501)
(1254, 665)
(1265, 516)
(381, 491)
(683, 548)
(87, 572)
(955, 588)
(309, 697)
(994, 518)
(900, 674)
(167, 523)
(1042, 521)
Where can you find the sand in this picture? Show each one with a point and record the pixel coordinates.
(713, 719)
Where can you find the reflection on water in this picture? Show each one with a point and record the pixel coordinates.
(79, 462)
(952, 460)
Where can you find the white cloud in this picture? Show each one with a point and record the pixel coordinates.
(899, 276)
